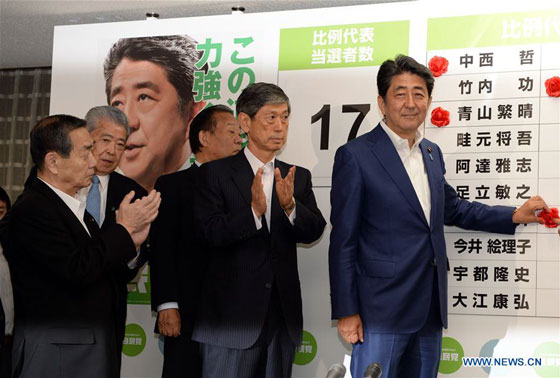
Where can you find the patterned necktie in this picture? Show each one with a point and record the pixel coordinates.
(93, 203)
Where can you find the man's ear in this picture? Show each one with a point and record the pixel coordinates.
(193, 110)
(244, 122)
(203, 138)
(381, 104)
(51, 162)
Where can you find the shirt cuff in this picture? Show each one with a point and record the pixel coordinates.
(292, 216)
(167, 306)
(132, 263)
(258, 221)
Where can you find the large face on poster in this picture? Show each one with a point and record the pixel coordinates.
(151, 80)
(160, 82)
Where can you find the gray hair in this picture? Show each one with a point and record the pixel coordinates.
(257, 95)
(176, 54)
(107, 113)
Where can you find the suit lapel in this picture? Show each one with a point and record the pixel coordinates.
(429, 165)
(111, 205)
(243, 175)
(385, 152)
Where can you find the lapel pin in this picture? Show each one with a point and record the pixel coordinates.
(430, 153)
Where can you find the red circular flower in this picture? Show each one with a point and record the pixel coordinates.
(547, 217)
(552, 86)
(438, 65)
(440, 117)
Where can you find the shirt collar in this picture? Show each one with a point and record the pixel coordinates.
(103, 182)
(254, 161)
(77, 203)
(398, 142)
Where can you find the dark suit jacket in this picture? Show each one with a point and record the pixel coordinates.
(120, 186)
(245, 263)
(64, 294)
(178, 262)
(383, 253)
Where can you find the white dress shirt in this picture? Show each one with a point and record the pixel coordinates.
(414, 165)
(76, 204)
(268, 182)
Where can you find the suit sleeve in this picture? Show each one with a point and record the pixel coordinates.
(219, 225)
(43, 234)
(126, 274)
(309, 222)
(164, 244)
(474, 215)
(346, 203)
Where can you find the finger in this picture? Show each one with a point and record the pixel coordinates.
(153, 204)
(151, 197)
(153, 217)
(128, 197)
(277, 175)
(292, 172)
(259, 173)
(257, 181)
(361, 333)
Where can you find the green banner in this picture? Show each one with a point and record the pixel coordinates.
(334, 46)
(494, 30)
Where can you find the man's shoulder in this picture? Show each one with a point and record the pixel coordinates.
(175, 179)
(286, 166)
(225, 162)
(364, 140)
(37, 201)
(126, 183)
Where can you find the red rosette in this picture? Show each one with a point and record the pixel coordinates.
(438, 65)
(548, 217)
(552, 86)
(440, 117)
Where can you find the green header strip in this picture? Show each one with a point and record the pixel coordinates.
(494, 30)
(335, 46)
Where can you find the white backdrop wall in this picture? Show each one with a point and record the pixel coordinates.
(335, 87)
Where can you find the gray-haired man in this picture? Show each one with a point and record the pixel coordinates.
(108, 127)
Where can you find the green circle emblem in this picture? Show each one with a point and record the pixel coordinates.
(134, 340)
(549, 354)
(306, 352)
(451, 356)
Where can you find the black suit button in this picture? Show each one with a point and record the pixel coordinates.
(268, 285)
(434, 262)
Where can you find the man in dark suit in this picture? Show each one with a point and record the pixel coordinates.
(109, 130)
(61, 263)
(178, 263)
(252, 209)
(387, 259)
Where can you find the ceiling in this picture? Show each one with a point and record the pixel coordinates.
(26, 27)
